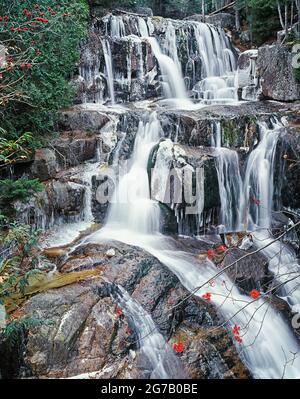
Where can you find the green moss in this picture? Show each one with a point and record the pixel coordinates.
(235, 132)
(230, 132)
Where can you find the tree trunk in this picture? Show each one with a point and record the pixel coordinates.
(237, 20)
(286, 23)
(280, 15)
(298, 23)
(203, 10)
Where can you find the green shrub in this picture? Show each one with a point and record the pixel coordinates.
(20, 189)
(51, 50)
(13, 330)
(13, 151)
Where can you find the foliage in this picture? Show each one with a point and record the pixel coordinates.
(42, 42)
(121, 3)
(19, 189)
(166, 8)
(263, 16)
(11, 333)
(19, 261)
(13, 151)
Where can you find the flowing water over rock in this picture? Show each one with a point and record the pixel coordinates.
(257, 320)
(183, 157)
(146, 56)
(162, 360)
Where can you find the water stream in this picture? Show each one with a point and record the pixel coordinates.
(161, 360)
(268, 342)
(194, 60)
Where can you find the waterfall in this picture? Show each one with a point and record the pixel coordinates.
(90, 171)
(142, 27)
(162, 361)
(170, 45)
(117, 26)
(191, 56)
(268, 343)
(230, 184)
(218, 65)
(246, 203)
(109, 69)
(258, 184)
(173, 82)
(132, 207)
(245, 77)
(284, 265)
(191, 59)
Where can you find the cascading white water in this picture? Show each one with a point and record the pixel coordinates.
(109, 69)
(247, 202)
(219, 64)
(142, 27)
(253, 210)
(230, 184)
(258, 182)
(259, 186)
(200, 46)
(245, 77)
(170, 45)
(162, 362)
(268, 344)
(173, 82)
(117, 26)
(131, 204)
(284, 265)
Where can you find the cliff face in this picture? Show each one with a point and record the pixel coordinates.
(276, 74)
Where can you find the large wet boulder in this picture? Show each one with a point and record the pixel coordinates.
(67, 197)
(276, 74)
(252, 272)
(78, 118)
(61, 201)
(184, 181)
(45, 164)
(196, 128)
(75, 148)
(86, 330)
(187, 127)
(222, 20)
